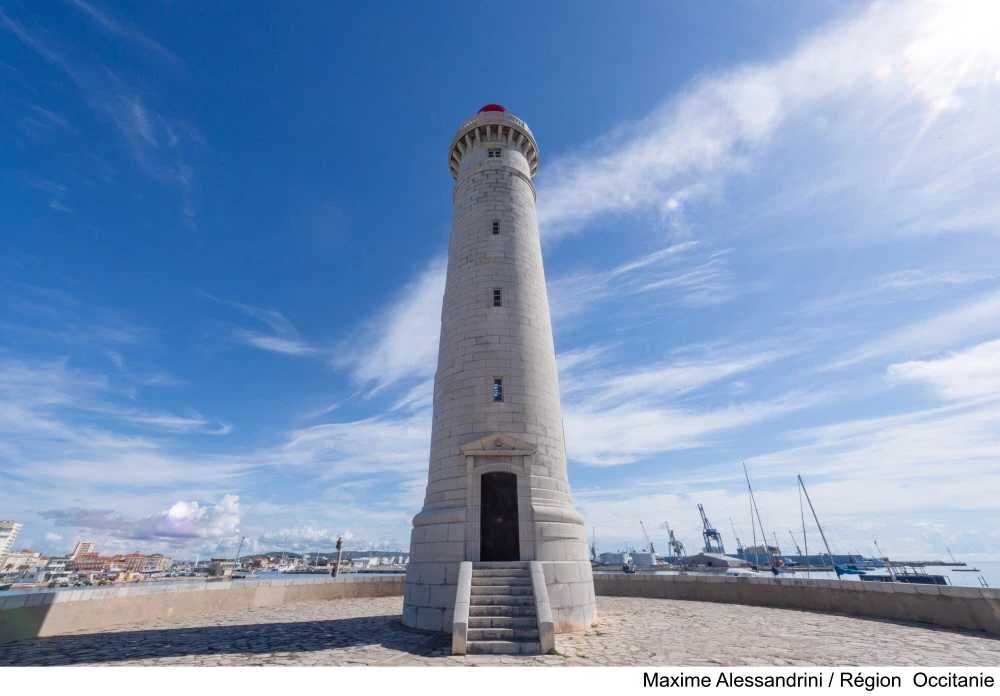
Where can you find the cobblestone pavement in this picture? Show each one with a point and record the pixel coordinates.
(630, 631)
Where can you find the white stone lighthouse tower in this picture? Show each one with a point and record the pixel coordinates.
(497, 489)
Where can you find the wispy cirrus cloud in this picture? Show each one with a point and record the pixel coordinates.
(155, 142)
(678, 274)
(971, 319)
(284, 337)
(120, 27)
(897, 71)
(617, 415)
(402, 340)
(971, 373)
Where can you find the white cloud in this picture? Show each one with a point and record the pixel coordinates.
(402, 341)
(119, 27)
(908, 61)
(183, 521)
(616, 416)
(284, 337)
(972, 373)
(973, 319)
(275, 344)
(677, 274)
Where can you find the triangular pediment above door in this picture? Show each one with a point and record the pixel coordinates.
(498, 445)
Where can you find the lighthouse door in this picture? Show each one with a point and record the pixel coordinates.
(498, 518)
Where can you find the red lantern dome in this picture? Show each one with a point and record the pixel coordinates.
(492, 107)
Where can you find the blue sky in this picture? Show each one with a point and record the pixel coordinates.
(770, 234)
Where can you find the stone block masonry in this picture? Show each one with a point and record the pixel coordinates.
(25, 616)
(967, 608)
(497, 432)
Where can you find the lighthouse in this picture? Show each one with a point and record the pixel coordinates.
(497, 492)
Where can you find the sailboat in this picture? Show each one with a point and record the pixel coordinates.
(840, 570)
(774, 562)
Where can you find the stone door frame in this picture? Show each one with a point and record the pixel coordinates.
(498, 452)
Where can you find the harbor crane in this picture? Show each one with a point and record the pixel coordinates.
(675, 546)
(739, 544)
(713, 540)
(648, 540)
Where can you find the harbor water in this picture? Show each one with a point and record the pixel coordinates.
(988, 571)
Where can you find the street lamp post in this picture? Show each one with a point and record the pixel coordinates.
(340, 550)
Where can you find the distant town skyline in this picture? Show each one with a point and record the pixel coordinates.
(770, 235)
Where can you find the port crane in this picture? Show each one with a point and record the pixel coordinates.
(648, 540)
(713, 540)
(739, 544)
(675, 546)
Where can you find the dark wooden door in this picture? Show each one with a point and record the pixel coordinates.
(498, 518)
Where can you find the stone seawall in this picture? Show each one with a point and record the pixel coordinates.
(54, 613)
(968, 608)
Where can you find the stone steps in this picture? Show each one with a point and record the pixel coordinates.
(481, 611)
(502, 618)
(502, 600)
(510, 580)
(512, 590)
(515, 622)
(503, 647)
(526, 635)
(505, 565)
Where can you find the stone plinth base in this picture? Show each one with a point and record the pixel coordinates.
(571, 594)
(429, 598)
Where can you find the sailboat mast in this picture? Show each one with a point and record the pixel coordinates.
(888, 566)
(805, 538)
(753, 504)
(236, 563)
(822, 535)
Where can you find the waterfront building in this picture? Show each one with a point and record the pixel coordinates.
(643, 559)
(8, 533)
(22, 560)
(221, 568)
(497, 488)
(57, 565)
(92, 563)
(713, 560)
(131, 562)
(82, 548)
(615, 558)
(157, 562)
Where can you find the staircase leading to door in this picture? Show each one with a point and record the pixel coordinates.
(502, 617)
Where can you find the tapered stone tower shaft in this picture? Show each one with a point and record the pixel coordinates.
(497, 488)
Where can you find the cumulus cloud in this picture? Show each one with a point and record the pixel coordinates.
(185, 520)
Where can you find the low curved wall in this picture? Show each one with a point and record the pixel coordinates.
(54, 613)
(969, 608)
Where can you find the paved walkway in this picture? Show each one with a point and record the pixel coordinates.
(631, 631)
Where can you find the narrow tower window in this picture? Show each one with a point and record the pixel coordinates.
(497, 297)
(498, 389)
(494, 152)
(496, 227)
